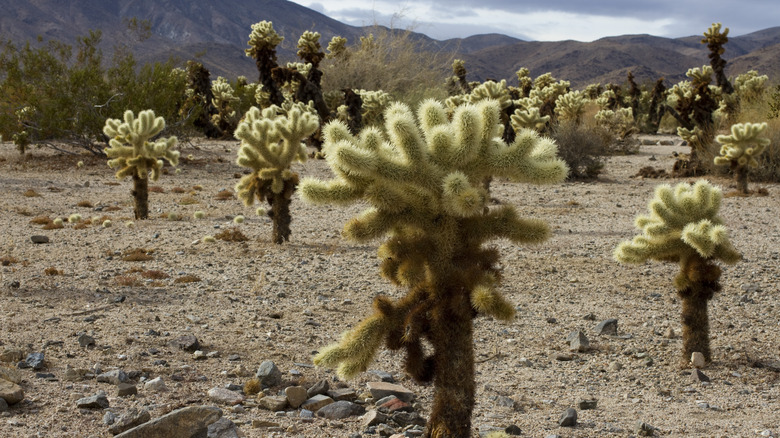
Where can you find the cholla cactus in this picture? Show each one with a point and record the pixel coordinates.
(224, 100)
(270, 143)
(135, 155)
(374, 105)
(620, 123)
(740, 149)
(529, 119)
(684, 227)
(422, 177)
(570, 106)
(262, 48)
(337, 47)
(750, 86)
(492, 90)
(715, 39)
(524, 81)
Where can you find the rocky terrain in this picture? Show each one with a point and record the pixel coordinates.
(106, 324)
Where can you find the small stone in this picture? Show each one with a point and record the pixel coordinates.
(321, 387)
(257, 424)
(644, 429)
(615, 366)
(268, 374)
(185, 422)
(513, 429)
(241, 371)
(383, 389)
(395, 405)
(155, 385)
(86, 340)
(130, 419)
(126, 389)
(373, 417)
(578, 341)
(11, 392)
(273, 403)
(114, 377)
(563, 357)
(317, 402)
(296, 395)
(3, 405)
(97, 401)
(10, 375)
(607, 327)
(222, 428)
(199, 355)
(34, 361)
(568, 418)
(340, 410)
(11, 355)
(697, 360)
(347, 394)
(383, 375)
(39, 239)
(186, 343)
(109, 418)
(71, 374)
(587, 404)
(408, 419)
(669, 333)
(225, 396)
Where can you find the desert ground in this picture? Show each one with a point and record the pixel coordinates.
(251, 301)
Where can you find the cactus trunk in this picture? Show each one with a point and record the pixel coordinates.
(141, 197)
(695, 328)
(454, 387)
(741, 177)
(280, 211)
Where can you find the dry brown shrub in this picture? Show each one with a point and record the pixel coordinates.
(187, 279)
(224, 195)
(8, 260)
(85, 204)
(650, 172)
(188, 200)
(112, 208)
(83, 224)
(127, 280)
(52, 271)
(582, 147)
(197, 188)
(177, 190)
(134, 270)
(137, 255)
(41, 220)
(154, 275)
(24, 211)
(156, 189)
(111, 183)
(52, 226)
(232, 234)
(30, 193)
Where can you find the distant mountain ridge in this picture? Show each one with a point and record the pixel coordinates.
(216, 33)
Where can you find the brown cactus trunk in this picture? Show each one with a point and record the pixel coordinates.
(702, 280)
(741, 177)
(454, 387)
(141, 196)
(280, 211)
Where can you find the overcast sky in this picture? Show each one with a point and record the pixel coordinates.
(554, 20)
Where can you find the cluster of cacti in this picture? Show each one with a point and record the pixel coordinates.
(422, 177)
(684, 227)
(620, 123)
(370, 109)
(198, 102)
(132, 151)
(570, 107)
(224, 100)
(271, 141)
(750, 86)
(740, 149)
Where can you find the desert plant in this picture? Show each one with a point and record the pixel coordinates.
(740, 149)
(422, 177)
(715, 40)
(684, 227)
(582, 147)
(131, 150)
(570, 107)
(270, 143)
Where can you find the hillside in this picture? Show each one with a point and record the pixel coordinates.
(216, 34)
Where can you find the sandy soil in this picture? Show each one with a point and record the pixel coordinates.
(262, 301)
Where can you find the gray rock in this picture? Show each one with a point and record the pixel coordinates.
(408, 419)
(513, 430)
(192, 421)
(321, 387)
(3, 405)
(155, 385)
(317, 402)
(97, 401)
(126, 389)
(340, 410)
(222, 428)
(109, 418)
(383, 389)
(644, 429)
(39, 239)
(347, 394)
(86, 340)
(34, 361)
(578, 341)
(607, 327)
(225, 396)
(373, 417)
(568, 418)
(382, 375)
(130, 419)
(268, 374)
(296, 395)
(273, 403)
(11, 392)
(587, 404)
(114, 377)
(187, 343)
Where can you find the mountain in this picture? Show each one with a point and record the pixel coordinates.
(216, 33)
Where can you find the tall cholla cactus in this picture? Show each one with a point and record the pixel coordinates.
(270, 143)
(262, 48)
(740, 149)
(131, 151)
(684, 227)
(715, 40)
(423, 178)
(224, 101)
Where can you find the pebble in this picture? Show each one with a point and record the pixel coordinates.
(114, 377)
(697, 360)
(273, 403)
(383, 375)
(373, 417)
(513, 429)
(321, 387)
(587, 404)
(383, 389)
(607, 327)
(644, 429)
(568, 418)
(126, 390)
(11, 392)
(268, 374)
(155, 385)
(186, 343)
(347, 394)
(340, 410)
(317, 402)
(86, 340)
(39, 239)
(34, 361)
(225, 396)
(97, 401)
(199, 355)
(296, 395)
(578, 341)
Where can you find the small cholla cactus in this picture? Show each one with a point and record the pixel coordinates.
(684, 227)
(620, 123)
(337, 47)
(529, 119)
(135, 155)
(750, 86)
(492, 90)
(422, 177)
(570, 106)
(740, 149)
(224, 100)
(271, 140)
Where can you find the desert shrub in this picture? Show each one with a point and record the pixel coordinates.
(232, 234)
(187, 279)
(582, 147)
(137, 255)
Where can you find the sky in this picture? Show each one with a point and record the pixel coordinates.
(554, 20)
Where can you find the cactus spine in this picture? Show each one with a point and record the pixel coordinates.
(684, 227)
(740, 149)
(422, 177)
(131, 150)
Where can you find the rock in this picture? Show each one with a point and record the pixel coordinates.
(317, 402)
(39, 239)
(192, 421)
(607, 327)
(321, 387)
(199, 355)
(114, 377)
(408, 419)
(296, 395)
(97, 401)
(578, 341)
(109, 418)
(241, 371)
(155, 385)
(71, 374)
(615, 366)
(373, 417)
(126, 389)
(11, 392)
(268, 374)
(222, 428)
(563, 357)
(340, 410)
(273, 403)
(382, 375)
(86, 340)
(587, 404)
(186, 343)
(11, 355)
(568, 418)
(669, 333)
(698, 376)
(644, 429)
(130, 419)
(11, 375)
(34, 361)
(383, 389)
(513, 430)
(347, 394)
(225, 396)
(396, 405)
(697, 360)
(3, 405)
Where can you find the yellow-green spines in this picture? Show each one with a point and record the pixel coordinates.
(130, 149)
(308, 44)
(745, 143)
(683, 222)
(263, 37)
